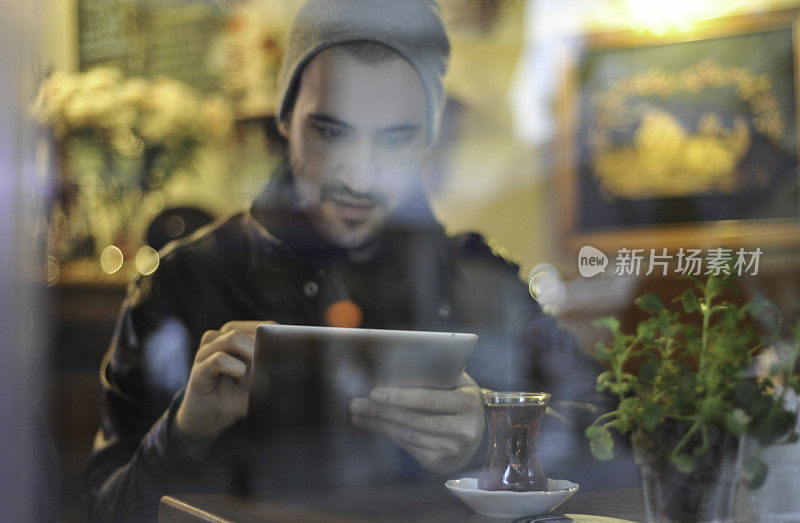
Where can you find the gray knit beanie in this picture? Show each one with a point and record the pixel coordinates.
(413, 28)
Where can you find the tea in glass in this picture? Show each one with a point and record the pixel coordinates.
(513, 461)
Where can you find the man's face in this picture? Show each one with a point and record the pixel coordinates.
(357, 137)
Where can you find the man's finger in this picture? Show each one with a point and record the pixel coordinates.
(235, 343)
(428, 400)
(209, 336)
(248, 327)
(222, 364)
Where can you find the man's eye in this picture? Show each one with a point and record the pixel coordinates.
(396, 139)
(331, 133)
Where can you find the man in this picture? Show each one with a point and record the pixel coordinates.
(345, 219)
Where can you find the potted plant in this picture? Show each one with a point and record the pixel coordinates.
(694, 397)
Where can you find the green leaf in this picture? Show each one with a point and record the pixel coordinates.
(620, 389)
(623, 425)
(736, 421)
(608, 322)
(605, 380)
(699, 450)
(712, 408)
(594, 431)
(602, 446)
(728, 317)
(649, 370)
(690, 301)
(650, 302)
(683, 462)
(651, 416)
(754, 472)
(646, 331)
(602, 351)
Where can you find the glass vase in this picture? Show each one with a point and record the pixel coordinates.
(706, 494)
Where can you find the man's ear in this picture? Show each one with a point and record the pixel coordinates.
(283, 128)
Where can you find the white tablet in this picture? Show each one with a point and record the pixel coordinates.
(396, 358)
(292, 365)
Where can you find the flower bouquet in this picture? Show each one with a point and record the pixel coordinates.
(120, 138)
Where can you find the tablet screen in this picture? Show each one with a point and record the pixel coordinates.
(300, 373)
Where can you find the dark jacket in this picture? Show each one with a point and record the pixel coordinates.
(269, 264)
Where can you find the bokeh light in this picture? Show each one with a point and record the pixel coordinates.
(344, 313)
(175, 226)
(546, 287)
(155, 202)
(146, 260)
(111, 259)
(53, 270)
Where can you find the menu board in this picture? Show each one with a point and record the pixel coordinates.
(151, 37)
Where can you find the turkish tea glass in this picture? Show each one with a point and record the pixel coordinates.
(513, 462)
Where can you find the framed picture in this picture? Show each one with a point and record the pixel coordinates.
(683, 140)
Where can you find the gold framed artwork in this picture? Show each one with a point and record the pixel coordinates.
(683, 140)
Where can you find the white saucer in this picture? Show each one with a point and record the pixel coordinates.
(503, 503)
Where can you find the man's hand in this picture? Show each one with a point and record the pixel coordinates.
(217, 393)
(440, 428)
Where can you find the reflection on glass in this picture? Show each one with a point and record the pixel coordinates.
(111, 259)
(146, 260)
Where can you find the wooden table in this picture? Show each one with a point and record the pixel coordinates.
(417, 503)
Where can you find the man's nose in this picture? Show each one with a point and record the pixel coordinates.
(360, 173)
